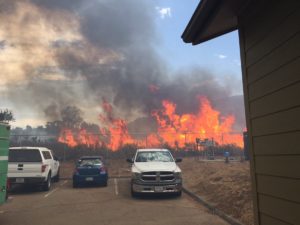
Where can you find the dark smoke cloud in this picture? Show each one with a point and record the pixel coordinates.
(7, 6)
(126, 31)
(59, 4)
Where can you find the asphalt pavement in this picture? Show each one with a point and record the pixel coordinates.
(92, 205)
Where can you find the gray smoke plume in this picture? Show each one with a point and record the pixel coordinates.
(113, 55)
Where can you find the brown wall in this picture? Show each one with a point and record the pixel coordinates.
(270, 52)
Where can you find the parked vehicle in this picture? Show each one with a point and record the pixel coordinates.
(90, 169)
(4, 134)
(155, 171)
(32, 165)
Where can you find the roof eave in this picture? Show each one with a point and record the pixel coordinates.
(197, 21)
(211, 19)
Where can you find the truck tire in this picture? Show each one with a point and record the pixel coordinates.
(178, 194)
(56, 178)
(47, 185)
(133, 193)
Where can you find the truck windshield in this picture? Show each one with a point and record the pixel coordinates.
(24, 155)
(154, 156)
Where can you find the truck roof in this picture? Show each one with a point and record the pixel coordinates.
(30, 148)
(152, 150)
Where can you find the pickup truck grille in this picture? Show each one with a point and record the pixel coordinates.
(158, 176)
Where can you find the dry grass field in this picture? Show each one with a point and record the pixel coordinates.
(226, 186)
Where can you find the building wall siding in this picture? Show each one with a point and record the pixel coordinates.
(270, 51)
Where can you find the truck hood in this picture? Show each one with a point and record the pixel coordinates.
(155, 166)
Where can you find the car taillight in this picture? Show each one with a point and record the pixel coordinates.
(102, 170)
(43, 169)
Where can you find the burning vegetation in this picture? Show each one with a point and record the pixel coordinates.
(177, 131)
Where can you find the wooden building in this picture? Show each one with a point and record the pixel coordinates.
(269, 33)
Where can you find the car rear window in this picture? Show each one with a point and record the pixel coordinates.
(24, 155)
(85, 162)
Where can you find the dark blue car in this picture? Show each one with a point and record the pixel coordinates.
(90, 170)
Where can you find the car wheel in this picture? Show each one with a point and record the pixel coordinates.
(105, 184)
(47, 185)
(75, 185)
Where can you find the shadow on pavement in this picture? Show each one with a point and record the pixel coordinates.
(18, 189)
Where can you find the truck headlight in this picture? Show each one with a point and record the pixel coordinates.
(135, 176)
(178, 175)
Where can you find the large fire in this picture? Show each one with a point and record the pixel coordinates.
(178, 131)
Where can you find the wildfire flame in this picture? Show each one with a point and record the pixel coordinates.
(176, 130)
(206, 124)
(82, 137)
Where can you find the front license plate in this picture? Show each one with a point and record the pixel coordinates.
(19, 180)
(89, 179)
(158, 189)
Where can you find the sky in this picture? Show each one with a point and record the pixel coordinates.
(70, 52)
(221, 53)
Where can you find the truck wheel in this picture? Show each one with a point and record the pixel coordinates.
(56, 178)
(178, 194)
(133, 193)
(47, 185)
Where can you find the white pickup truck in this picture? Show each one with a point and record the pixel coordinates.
(32, 165)
(155, 171)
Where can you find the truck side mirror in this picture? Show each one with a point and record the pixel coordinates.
(178, 160)
(129, 160)
(78, 162)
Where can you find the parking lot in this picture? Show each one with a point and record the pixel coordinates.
(99, 205)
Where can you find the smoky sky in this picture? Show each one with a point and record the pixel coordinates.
(114, 58)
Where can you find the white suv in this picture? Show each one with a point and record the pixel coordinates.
(155, 171)
(32, 165)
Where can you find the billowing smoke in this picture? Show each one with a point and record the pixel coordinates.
(58, 53)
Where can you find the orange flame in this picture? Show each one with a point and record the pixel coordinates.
(177, 130)
(173, 129)
(117, 128)
(81, 137)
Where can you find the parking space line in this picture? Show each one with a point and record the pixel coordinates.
(116, 186)
(1, 212)
(51, 192)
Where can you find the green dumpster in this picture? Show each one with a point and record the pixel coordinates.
(4, 139)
